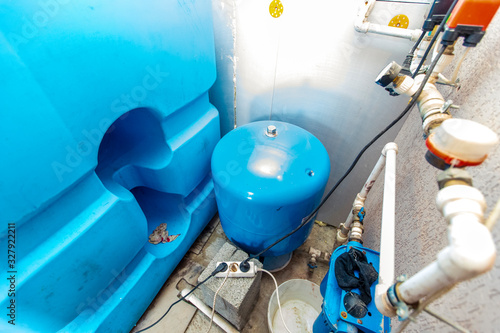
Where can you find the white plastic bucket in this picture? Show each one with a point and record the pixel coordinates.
(301, 304)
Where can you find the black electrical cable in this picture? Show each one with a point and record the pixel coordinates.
(307, 219)
(433, 40)
(221, 268)
(414, 48)
(405, 68)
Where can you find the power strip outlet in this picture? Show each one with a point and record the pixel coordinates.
(235, 271)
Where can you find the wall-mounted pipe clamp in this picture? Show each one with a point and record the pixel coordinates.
(402, 309)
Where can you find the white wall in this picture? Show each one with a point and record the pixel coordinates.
(222, 92)
(310, 68)
(421, 231)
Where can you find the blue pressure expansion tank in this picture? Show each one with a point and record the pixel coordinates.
(268, 176)
(106, 132)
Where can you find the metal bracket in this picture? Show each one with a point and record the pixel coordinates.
(448, 105)
(402, 309)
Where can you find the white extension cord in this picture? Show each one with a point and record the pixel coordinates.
(215, 298)
(277, 297)
(234, 271)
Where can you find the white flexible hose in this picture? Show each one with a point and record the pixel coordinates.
(457, 68)
(277, 297)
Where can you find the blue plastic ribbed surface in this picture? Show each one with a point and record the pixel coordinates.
(84, 202)
(265, 185)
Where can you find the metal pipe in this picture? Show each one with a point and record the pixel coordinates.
(362, 25)
(221, 322)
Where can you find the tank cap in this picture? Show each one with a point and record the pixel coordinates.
(271, 131)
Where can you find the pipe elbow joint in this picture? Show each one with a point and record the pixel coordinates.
(390, 146)
(361, 26)
(471, 252)
(415, 34)
(384, 306)
(341, 237)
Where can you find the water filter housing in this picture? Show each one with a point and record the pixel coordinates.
(268, 176)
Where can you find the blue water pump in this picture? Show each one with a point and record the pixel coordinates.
(339, 313)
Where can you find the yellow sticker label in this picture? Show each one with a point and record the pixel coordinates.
(276, 8)
(400, 21)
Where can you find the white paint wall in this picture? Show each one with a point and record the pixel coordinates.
(421, 231)
(310, 68)
(222, 92)
(324, 83)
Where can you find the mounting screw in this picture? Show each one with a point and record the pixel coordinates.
(271, 131)
(343, 314)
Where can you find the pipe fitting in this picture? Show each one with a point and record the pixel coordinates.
(433, 121)
(405, 85)
(430, 101)
(358, 203)
(467, 257)
(460, 199)
(453, 176)
(357, 232)
(390, 146)
(382, 302)
(342, 234)
(471, 250)
(362, 25)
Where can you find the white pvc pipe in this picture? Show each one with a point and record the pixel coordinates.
(221, 322)
(362, 25)
(471, 251)
(386, 275)
(386, 270)
(456, 263)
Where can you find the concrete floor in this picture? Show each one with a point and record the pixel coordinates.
(185, 318)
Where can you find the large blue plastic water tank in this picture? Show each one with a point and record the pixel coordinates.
(265, 184)
(106, 131)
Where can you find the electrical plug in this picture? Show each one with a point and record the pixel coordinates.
(245, 266)
(221, 267)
